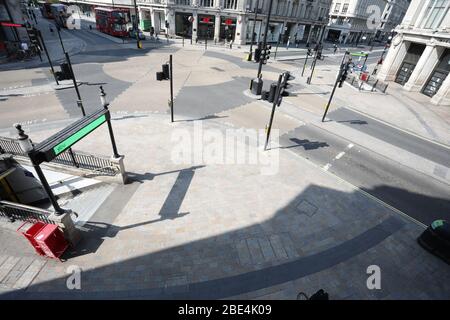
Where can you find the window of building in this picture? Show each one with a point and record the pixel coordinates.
(345, 8)
(230, 4)
(435, 13)
(337, 7)
(206, 3)
(183, 2)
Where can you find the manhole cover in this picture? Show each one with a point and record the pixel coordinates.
(305, 207)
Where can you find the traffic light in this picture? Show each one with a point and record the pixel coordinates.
(257, 54)
(344, 74)
(34, 39)
(265, 54)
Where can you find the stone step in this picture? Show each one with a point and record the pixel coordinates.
(88, 202)
(19, 272)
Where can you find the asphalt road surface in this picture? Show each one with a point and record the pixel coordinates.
(419, 196)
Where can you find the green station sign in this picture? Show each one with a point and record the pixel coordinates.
(49, 149)
(77, 136)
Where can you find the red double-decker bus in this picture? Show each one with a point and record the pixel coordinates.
(112, 21)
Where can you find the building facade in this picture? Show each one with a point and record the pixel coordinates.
(419, 58)
(11, 11)
(219, 20)
(364, 21)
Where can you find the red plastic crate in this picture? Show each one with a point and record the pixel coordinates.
(30, 232)
(51, 240)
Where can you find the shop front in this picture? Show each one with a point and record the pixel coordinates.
(206, 24)
(227, 28)
(438, 76)
(275, 31)
(258, 31)
(183, 27)
(413, 55)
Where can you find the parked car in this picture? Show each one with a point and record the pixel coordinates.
(436, 239)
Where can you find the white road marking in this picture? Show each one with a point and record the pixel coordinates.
(340, 155)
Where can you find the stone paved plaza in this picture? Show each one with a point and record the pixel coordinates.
(191, 227)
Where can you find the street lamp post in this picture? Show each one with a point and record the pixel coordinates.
(28, 148)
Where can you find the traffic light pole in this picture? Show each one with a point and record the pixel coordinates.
(60, 39)
(304, 65)
(171, 88)
(250, 56)
(278, 43)
(48, 56)
(338, 78)
(258, 75)
(136, 20)
(80, 101)
(275, 102)
(313, 66)
(319, 50)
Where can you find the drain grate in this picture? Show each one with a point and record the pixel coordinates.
(218, 69)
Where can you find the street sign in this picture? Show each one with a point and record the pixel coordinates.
(77, 136)
(50, 148)
(359, 54)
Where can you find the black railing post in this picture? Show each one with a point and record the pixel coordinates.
(72, 156)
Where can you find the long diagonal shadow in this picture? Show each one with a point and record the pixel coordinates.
(306, 144)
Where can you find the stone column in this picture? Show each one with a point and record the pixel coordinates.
(423, 69)
(194, 26)
(411, 15)
(393, 61)
(442, 97)
(217, 27)
(241, 31)
(155, 21)
(141, 18)
(122, 177)
(170, 17)
(65, 223)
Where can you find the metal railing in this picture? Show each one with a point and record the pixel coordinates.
(371, 81)
(16, 211)
(68, 158)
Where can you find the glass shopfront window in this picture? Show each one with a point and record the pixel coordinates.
(206, 25)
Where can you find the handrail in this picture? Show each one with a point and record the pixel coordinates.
(24, 207)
